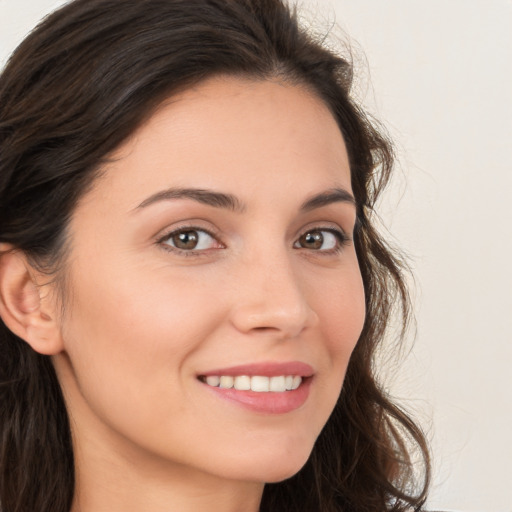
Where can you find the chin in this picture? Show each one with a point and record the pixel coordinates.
(277, 477)
(274, 469)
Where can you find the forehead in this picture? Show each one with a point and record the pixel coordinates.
(234, 134)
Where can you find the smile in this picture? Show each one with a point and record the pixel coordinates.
(258, 383)
(269, 388)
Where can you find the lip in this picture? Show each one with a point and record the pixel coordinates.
(271, 403)
(265, 369)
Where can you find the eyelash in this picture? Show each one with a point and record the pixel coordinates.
(342, 240)
(182, 252)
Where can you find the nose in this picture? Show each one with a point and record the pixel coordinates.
(270, 298)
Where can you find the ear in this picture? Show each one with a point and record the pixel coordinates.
(25, 305)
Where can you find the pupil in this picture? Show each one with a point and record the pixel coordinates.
(314, 240)
(186, 240)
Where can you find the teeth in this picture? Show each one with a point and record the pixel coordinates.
(213, 381)
(260, 384)
(277, 384)
(256, 383)
(226, 382)
(243, 383)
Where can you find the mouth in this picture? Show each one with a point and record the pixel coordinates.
(256, 383)
(270, 388)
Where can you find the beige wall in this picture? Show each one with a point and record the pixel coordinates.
(441, 78)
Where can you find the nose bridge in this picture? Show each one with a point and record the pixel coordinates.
(271, 297)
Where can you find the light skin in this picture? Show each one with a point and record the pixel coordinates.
(273, 277)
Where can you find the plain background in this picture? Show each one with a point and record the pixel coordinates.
(438, 73)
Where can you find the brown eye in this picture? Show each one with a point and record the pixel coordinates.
(190, 240)
(312, 240)
(185, 240)
(319, 240)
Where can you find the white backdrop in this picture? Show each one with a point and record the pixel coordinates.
(441, 80)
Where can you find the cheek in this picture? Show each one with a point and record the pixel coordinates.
(143, 321)
(341, 309)
(340, 305)
(129, 334)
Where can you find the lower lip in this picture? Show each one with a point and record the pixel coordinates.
(266, 402)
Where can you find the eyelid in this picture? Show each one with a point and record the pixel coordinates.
(332, 227)
(161, 238)
(340, 234)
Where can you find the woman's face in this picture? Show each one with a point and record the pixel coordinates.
(217, 246)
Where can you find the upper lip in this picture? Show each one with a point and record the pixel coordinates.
(265, 369)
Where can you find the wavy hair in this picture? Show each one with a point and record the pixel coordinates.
(72, 92)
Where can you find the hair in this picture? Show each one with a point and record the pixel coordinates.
(77, 87)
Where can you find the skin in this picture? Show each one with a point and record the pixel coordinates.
(142, 320)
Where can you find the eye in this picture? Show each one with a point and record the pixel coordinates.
(190, 239)
(321, 240)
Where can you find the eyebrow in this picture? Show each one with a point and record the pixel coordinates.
(231, 202)
(333, 195)
(208, 197)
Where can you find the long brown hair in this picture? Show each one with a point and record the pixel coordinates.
(76, 88)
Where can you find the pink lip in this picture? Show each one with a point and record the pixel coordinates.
(271, 402)
(266, 369)
(266, 403)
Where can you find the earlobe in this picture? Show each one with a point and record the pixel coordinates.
(22, 308)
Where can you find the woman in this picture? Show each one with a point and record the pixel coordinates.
(191, 287)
